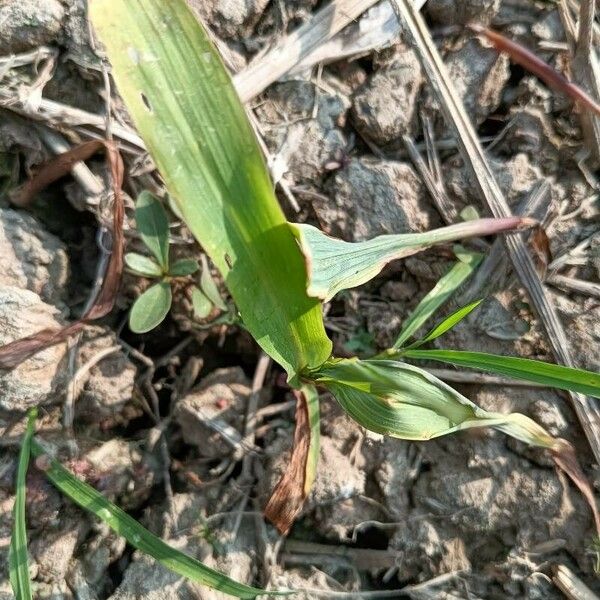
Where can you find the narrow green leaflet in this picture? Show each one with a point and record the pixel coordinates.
(209, 287)
(448, 323)
(186, 109)
(137, 535)
(406, 402)
(564, 378)
(201, 304)
(183, 267)
(334, 265)
(150, 308)
(153, 226)
(444, 288)
(18, 563)
(143, 265)
(314, 421)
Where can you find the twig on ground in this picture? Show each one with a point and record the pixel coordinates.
(410, 590)
(495, 263)
(415, 31)
(363, 558)
(57, 114)
(586, 70)
(293, 48)
(74, 387)
(570, 585)
(587, 288)
(434, 186)
(90, 184)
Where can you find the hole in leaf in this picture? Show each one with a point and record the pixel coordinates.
(146, 102)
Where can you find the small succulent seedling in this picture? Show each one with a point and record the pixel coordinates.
(150, 309)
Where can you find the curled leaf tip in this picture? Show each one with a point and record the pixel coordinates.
(565, 458)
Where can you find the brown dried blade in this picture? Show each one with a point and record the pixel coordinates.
(537, 66)
(16, 352)
(565, 458)
(539, 246)
(290, 492)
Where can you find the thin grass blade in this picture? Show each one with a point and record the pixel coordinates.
(448, 323)
(334, 265)
(564, 378)
(443, 289)
(137, 535)
(18, 562)
(186, 109)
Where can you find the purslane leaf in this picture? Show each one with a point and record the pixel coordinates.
(183, 267)
(143, 265)
(152, 224)
(18, 562)
(334, 265)
(564, 378)
(201, 304)
(186, 109)
(443, 289)
(150, 308)
(209, 287)
(137, 535)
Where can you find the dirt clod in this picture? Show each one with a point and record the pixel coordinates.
(373, 197)
(31, 258)
(39, 379)
(25, 24)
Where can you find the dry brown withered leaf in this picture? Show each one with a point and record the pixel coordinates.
(291, 490)
(565, 458)
(14, 353)
(537, 66)
(539, 245)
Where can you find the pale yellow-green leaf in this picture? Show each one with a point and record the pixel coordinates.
(334, 265)
(406, 402)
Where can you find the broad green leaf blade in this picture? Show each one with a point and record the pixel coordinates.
(142, 265)
(564, 378)
(406, 402)
(201, 304)
(209, 287)
(187, 111)
(152, 224)
(18, 562)
(443, 289)
(448, 323)
(183, 267)
(150, 308)
(334, 265)
(137, 535)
